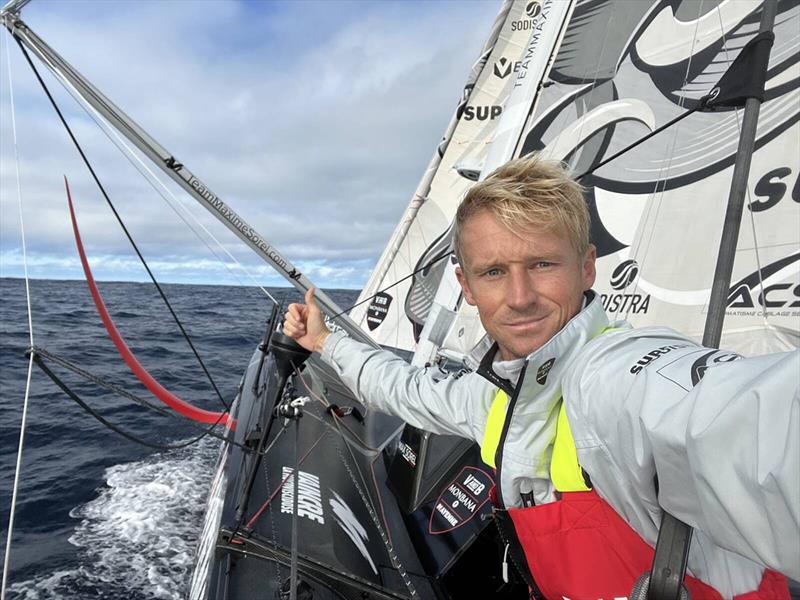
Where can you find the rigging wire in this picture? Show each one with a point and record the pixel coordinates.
(129, 436)
(382, 528)
(25, 402)
(142, 167)
(122, 224)
(300, 461)
(398, 282)
(126, 394)
(157, 184)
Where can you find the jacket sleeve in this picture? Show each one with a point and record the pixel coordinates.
(720, 432)
(384, 381)
(728, 458)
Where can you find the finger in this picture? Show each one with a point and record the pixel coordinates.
(293, 329)
(295, 310)
(310, 296)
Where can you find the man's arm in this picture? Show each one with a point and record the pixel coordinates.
(728, 459)
(384, 381)
(725, 449)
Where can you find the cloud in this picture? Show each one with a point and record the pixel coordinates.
(313, 120)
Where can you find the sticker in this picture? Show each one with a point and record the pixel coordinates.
(461, 500)
(378, 309)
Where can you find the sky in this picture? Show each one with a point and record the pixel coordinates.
(313, 120)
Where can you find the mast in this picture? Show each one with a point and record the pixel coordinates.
(168, 163)
(674, 536)
(733, 214)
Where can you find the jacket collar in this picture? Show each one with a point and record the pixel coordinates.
(548, 362)
(487, 372)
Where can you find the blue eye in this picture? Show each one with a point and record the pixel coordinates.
(492, 273)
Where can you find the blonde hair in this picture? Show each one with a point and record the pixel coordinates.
(528, 193)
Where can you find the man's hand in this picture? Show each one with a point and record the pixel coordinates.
(305, 324)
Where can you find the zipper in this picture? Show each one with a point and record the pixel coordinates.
(498, 457)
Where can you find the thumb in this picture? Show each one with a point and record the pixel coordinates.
(310, 297)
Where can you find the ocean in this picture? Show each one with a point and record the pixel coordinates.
(99, 516)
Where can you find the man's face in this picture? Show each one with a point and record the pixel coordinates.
(526, 289)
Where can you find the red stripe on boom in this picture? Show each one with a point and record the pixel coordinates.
(158, 390)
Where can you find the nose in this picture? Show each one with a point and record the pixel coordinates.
(521, 292)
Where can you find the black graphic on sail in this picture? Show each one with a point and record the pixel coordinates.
(681, 83)
(741, 292)
(378, 309)
(425, 283)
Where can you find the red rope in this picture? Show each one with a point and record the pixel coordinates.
(167, 397)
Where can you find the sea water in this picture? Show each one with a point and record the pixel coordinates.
(99, 516)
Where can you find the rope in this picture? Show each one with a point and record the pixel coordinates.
(126, 394)
(122, 224)
(102, 419)
(23, 424)
(133, 158)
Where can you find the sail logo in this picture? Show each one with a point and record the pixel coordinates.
(309, 495)
(624, 275)
(758, 294)
(482, 113)
(536, 26)
(772, 188)
(532, 10)
(347, 520)
(378, 309)
(504, 67)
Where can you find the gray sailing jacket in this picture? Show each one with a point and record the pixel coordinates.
(720, 432)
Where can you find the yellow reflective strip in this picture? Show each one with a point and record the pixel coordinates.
(565, 472)
(494, 428)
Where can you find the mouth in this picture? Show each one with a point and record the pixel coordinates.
(525, 324)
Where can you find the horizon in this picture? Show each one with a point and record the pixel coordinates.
(149, 282)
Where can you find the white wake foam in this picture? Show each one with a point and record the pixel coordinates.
(137, 538)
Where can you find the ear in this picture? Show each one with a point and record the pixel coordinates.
(589, 269)
(462, 280)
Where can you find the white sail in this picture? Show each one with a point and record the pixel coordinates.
(624, 69)
(396, 317)
(463, 327)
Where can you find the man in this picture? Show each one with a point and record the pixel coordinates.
(643, 424)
